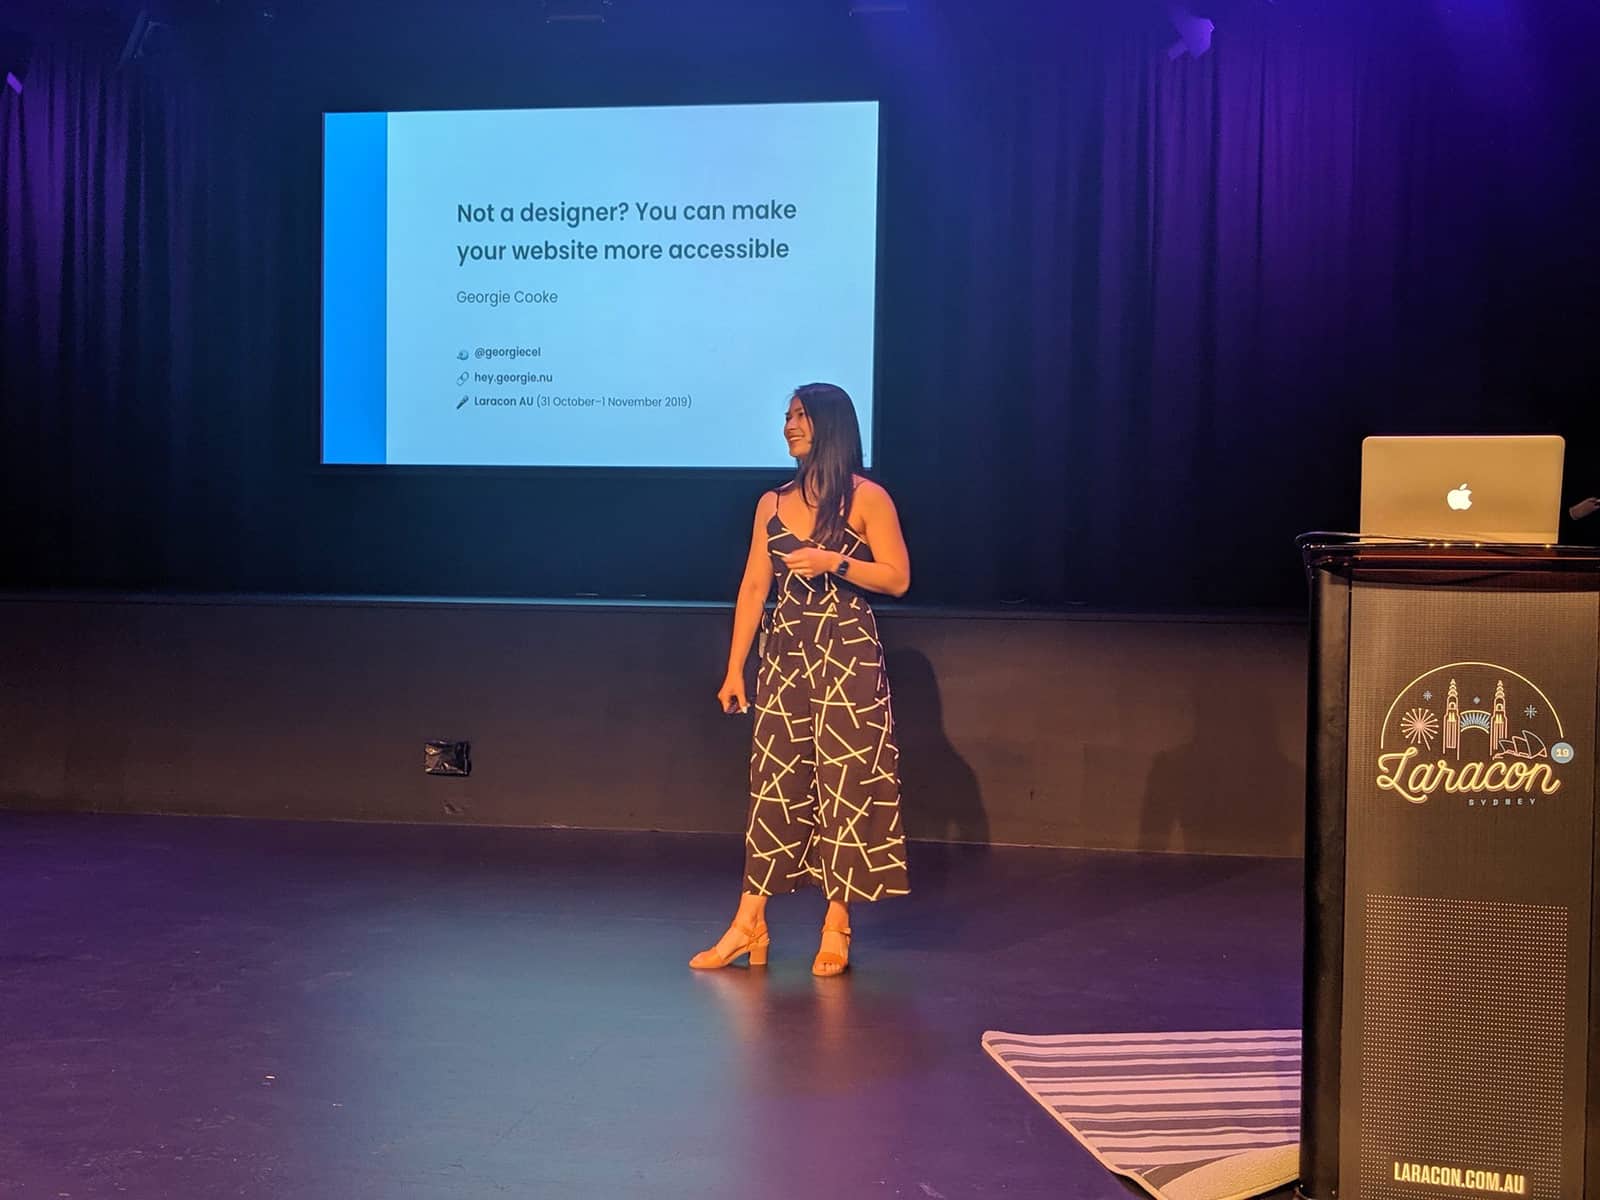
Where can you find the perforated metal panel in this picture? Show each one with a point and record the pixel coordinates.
(1463, 1023)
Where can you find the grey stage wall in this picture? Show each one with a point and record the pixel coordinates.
(1101, 731)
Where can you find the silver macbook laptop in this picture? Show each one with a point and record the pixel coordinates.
(1465, 489)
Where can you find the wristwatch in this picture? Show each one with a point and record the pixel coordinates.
(843, 568)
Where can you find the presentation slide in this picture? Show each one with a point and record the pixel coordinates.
(601, 287)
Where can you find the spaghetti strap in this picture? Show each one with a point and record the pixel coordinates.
(777, 502)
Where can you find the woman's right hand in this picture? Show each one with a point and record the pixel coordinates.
(731, 695)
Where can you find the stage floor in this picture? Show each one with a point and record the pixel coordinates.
(195, 1007)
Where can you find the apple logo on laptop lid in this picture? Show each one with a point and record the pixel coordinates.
(1459, 498)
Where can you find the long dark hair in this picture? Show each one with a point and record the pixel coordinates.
(827, 476)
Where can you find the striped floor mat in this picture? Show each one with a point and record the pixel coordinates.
(1187, 1116)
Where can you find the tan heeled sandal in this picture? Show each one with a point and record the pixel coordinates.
(827, 962)
(756, 942)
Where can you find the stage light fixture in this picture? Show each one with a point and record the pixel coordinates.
(14, 50)
(1194, 33)
(145, 36)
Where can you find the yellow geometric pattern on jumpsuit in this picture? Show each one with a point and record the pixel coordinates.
(824, 767)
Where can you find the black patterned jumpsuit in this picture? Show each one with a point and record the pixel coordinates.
(824, 770)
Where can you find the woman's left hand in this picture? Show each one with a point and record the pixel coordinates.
(812, 561)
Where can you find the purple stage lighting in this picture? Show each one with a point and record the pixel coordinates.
(1194, 33)
(14, 53)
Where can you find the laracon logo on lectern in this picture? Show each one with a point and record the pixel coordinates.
(1472, 729)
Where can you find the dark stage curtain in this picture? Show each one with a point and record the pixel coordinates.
(148, 423)
(1137, 311)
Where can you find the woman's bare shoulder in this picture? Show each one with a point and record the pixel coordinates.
(871, 491)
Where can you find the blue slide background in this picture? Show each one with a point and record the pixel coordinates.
(732, 336)
(355, 252)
